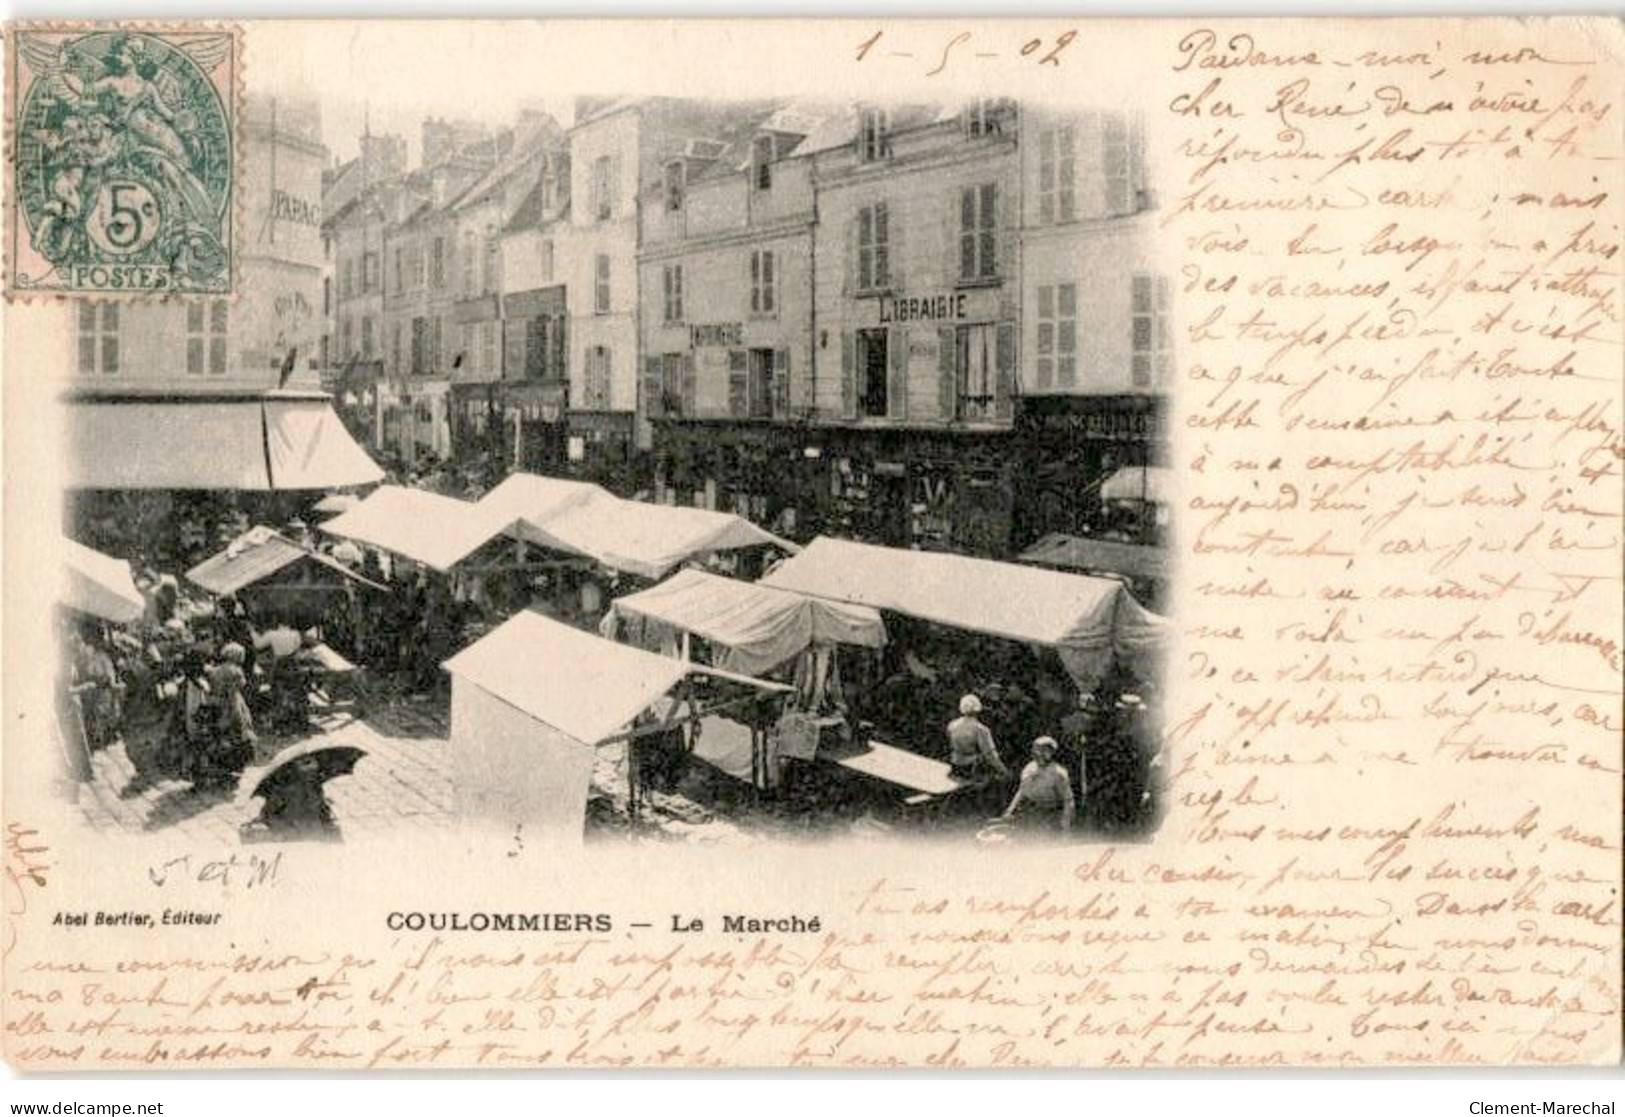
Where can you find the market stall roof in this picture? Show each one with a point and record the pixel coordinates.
(1151, 483)
(644, 539)
(534, 498)
(254, 442)
(580, 684)
(99, 585)
(1081, 553)
(1086, 620)
(759, 626)
(438, 531)
(254, 555)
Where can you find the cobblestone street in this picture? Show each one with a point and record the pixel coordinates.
(403, 780)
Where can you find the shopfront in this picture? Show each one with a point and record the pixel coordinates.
(1069, 446)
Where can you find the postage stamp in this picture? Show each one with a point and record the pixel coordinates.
(123, 160)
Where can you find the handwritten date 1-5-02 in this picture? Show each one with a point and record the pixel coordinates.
(964, 47)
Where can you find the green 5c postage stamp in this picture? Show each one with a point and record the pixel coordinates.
(123, 157)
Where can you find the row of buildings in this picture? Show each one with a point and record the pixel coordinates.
(925, 325)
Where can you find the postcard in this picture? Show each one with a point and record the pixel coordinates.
(839, 544)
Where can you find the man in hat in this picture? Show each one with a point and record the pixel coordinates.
(972, 755)
(1044, 798)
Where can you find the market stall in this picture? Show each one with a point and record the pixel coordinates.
(415, 524)
(277, 577)
(531, 701)
(754, 630)
(1143, 567)
(99, 585)
(1088, 622)
(647, 540)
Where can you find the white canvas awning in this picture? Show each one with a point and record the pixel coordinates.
(644, 539)
(438, 531)
(580, 684)
(1086, 620)
(1150, 483)
(522, 499)
(254, 443)
(755, 627)
(99, 585)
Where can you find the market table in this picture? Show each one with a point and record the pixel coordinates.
(927, 778)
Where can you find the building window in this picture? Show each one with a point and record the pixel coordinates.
(547, 261)
(467, 355)
(976, 360)
(468, 262)
(600, 287)
(872, 373)
(488, 348)
(760, 394)
(762, 163)
(346, 333)
(597, 379)
(874, 248)
(1057, 335)
(400, 270)
(536, 348)
(98, 338)
(1057, 175)
(763, 283)
(674, 186)
(327, 294)
(369, 271)
(493, 259)
(1152, 355)
(671, 384)
(1117, 165)
(395, 347)
(872, 142)
(206, 337)
(436, 337)
(986, 116)
(366, 337)
(346, 278)
(437, 271)
(978, 235)
(420, 346)
(603, 203)
(416, 260)
(672, 289)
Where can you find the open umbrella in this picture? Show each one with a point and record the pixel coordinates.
(305, 768)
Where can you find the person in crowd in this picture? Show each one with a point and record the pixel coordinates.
(1076, 730)
(96, 683)
(232, 746)
(1043, 800)
(972, 755)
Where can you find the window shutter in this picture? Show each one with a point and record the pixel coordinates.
(614, 185)
(947, 371)
(1007, 218)
(896, 278)
(897, 379)
(849, 386)
(851, 270)
(738, 383)
(690, 387)
(514, 331)
(781, 383)
(1004, 386)
(950, 237)
(561, 367)
(654, 401)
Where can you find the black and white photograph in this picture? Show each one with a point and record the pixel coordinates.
(635, 469)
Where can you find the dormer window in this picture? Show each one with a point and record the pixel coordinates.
(986, 117)
(872, 141)
(674, 186)
(762, 162)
